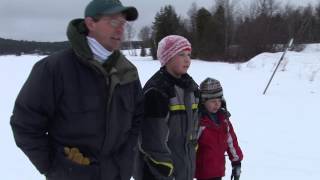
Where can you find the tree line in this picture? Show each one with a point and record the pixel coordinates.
(19, 47)
(224, 33)
(9, 46)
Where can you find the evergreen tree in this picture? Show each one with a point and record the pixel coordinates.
(204, 28)
(166, 23)
(219, 32)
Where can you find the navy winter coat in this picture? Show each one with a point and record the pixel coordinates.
(71, 100)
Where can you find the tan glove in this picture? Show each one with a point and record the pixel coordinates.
(76, 156)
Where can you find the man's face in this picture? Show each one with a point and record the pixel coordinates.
(108, 30)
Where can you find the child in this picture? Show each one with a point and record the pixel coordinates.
(216, 135)
(169, 129)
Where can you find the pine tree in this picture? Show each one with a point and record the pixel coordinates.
(166, 23)
(204, 28)
(219, 33)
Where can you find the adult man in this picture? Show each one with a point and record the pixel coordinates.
(77, 117)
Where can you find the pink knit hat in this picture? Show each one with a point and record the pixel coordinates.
(171, 45)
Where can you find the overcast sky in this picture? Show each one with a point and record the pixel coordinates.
(46, 20)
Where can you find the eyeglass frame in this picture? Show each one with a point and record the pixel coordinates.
(115, 23)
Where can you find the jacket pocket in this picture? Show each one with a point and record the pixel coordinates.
(55, 172)
(82, 115)
(80, 104)
(65, 169)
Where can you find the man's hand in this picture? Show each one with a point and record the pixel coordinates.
(76, 156)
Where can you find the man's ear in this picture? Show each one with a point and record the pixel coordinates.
(89, 23)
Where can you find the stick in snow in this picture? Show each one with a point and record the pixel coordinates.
(284, 53)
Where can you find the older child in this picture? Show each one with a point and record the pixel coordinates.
(216, 135)
(169, 129)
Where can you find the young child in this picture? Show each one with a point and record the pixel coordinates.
(216, 135)
(169, 129)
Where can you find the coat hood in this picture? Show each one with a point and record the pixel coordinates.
(118, 64)
(76, 33)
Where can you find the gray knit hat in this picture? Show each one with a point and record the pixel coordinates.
(210, 88)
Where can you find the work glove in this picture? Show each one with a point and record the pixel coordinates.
(236, 171)
(165, 169)
(76, 156)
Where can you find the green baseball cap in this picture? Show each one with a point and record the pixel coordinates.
(110, 7)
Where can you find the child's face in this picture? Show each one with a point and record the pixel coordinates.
(179, 64)
(213, 105)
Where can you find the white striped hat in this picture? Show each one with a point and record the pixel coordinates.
(170, 46)
(210, 88)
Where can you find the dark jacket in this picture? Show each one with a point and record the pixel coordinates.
(169, 129)
(216, 138)
(72, 100)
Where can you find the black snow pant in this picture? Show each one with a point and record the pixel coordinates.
(216, 178)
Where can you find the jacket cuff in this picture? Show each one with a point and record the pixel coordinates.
(236, 163)
(164, 168)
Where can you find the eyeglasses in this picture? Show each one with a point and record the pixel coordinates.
(116, 23)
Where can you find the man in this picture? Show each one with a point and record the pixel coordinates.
(78, 115)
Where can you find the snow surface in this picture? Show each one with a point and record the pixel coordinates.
(278, 131)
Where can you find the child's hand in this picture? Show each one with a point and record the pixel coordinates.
(236, 171)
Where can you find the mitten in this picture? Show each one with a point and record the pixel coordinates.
(165, 169)
(236, 171)
(76, 156)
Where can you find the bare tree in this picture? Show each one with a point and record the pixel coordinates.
(130, 34)
(192, 13)
(145, 36)
(317, 13)
(267, 7)
(229, 6)
(145, 33)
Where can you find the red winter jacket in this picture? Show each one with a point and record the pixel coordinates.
(213, 142)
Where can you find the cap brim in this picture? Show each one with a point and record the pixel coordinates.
(130, 12)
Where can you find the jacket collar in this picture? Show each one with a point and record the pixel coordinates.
(185, 82)
(124, 70)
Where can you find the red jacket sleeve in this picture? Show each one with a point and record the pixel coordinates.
(234, 151)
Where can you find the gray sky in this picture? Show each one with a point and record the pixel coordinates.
(43, 20)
